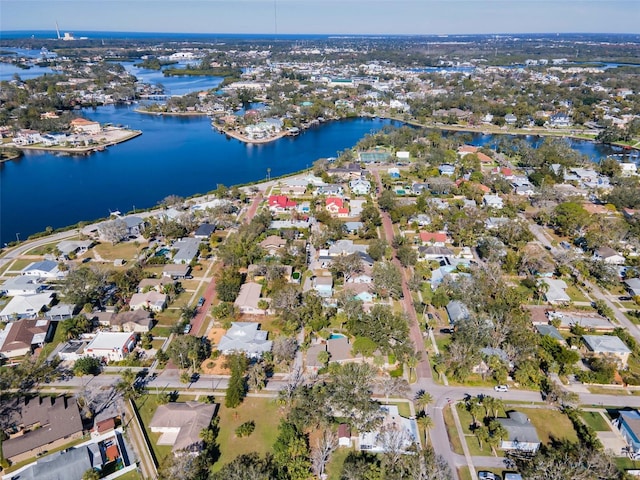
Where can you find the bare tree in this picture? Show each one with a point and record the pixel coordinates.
(284, 350)
(325, 446)
(393, 386)
(113, 231)
(394, 441)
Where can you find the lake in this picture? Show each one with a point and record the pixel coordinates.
(174, 155)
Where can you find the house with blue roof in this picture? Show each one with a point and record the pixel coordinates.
(43, 269)
(629, 424)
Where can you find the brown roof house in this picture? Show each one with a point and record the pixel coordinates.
(39, 424)
(21, 337)
(139, 321)
(180, 425)
(248, 299)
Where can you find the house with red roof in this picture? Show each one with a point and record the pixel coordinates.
(434, 239)
(336, 207)
(280, 203)
(503, 172)
(484, 158)
(466, 150)
(82, 125)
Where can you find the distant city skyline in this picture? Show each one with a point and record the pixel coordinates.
(364, 17)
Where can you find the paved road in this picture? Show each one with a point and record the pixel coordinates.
(593, 290)
(423, 369)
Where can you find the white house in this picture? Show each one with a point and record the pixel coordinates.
(25, 306)
(22, 285)
(248, 299)
(360, 186)
(403, 430)
(180, 425)
(44, 269)
(111, 346)
(608, 346)
(556, 291)
(245, 337)
(609, 255)
(492, 201)
(150, 300)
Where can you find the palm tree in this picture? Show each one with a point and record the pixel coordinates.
(482, 434)
(426, 422)
(423, 399)
(475, 409)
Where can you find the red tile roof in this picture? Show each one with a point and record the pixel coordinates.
(281, 201)
(433, 237)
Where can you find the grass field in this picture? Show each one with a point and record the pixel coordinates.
(147, 406)
(264, 412)
(454, 439)
(595, 421)
(550, 424)
(133, 475)
(125, 250)
(334, 467)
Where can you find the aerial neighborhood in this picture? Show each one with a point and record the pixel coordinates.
(420, 302)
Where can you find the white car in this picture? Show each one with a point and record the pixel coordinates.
(488, 476)
(501, 388)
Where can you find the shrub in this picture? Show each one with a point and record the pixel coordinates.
(246, 429)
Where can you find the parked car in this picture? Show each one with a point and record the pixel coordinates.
(483, 475)
(501, 388)
(201, 301)
(187, 328)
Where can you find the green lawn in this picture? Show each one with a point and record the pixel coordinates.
(595, 421)
(403, 408)
(147, 406)
(336, 462)
(110, 252)
(20, 263)
(575, 294)
(266, 415)
(550, 424)
(454, 439)
(485, 451)
(132, 475)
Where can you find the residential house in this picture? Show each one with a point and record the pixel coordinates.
(510, 118)
(484, 158)
(496, 222)
(68, 464)
(360, 186)
(434, 239)
(82, 125)
(247, 338)
(73, 247)
(393, 172)
(609, 255)
(633, 286)
(434, 253)
(157, 284)
(457, 311)
(356, 205)
(111, 346)
(351, 171)
(176, 271)
(294, 190)
(151, 300)
(23, 336)
(403, 430)
(418, 188)
(551, 331)
(26, 306)
(329, 190)
(43, 423)
(187, 250)
(353, 227)
(323, 286)
(22, 285)
(345, 247)
(447, 170)
(556, 291)
(588, 321)
(280, 204)
(59, 311)
(560, 119)
(135, 225)
(465, 150)
(521, 434)
(136, 321)
(628, 422)
(492, 201)
(608, 346)
(205, 231)
(181, 423)
(421, 219)
(45, 269)
(248, 299)
(344, 435)
(336, 207)
(272, 244)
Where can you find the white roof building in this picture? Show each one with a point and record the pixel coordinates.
(25, 306)
(111, 346)
(245, 337)
(44, 269)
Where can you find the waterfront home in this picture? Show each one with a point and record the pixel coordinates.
(111, 346)
(249, 298)
(135, 225)
(608, 346)
(27, 137)
(24, 336)
(180, 425)
(28, 306)
(510, 118)
(465, 150)
(82, 125)
(521, 434)
(73, 247)
(280, 203)
(44, 269)
(247, 338)
(560, 119)
(351, 171)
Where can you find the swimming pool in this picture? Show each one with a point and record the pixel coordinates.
(333, 336)
(163, 252)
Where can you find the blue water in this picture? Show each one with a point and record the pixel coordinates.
(8, 70)
(173, 85)
(175, 155)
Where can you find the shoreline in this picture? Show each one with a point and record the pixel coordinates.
(244, 139)
(170, 114)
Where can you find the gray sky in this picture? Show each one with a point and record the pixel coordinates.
(326, 16)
